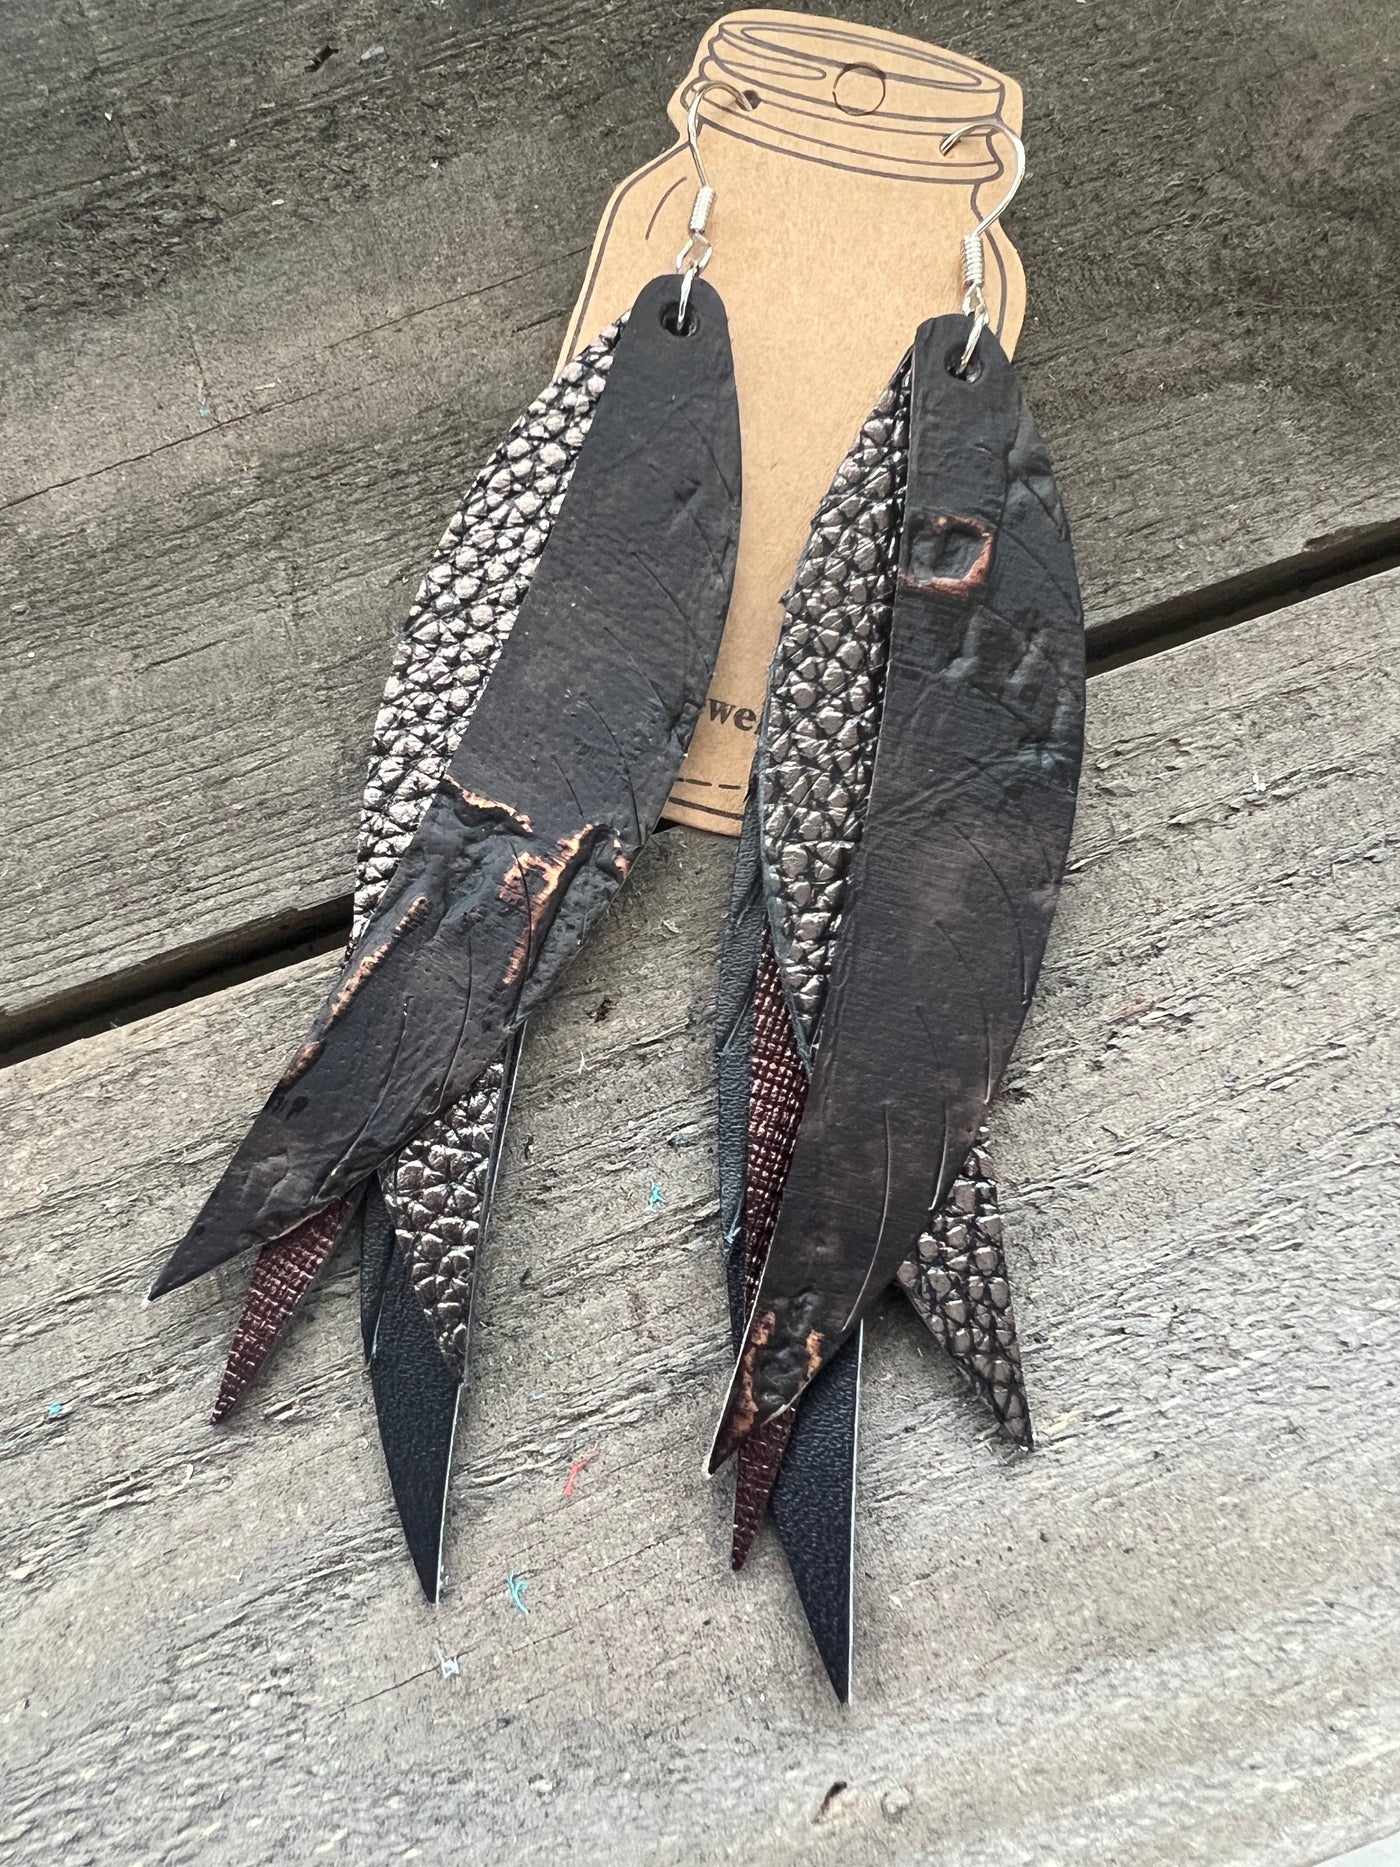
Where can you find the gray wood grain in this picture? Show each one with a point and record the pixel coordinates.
(258, 324)
(1171, 1635)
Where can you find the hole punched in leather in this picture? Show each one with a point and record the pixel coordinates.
(672, 321)
(953, 364)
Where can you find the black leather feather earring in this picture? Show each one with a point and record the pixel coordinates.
(906, 835)
(541, 699)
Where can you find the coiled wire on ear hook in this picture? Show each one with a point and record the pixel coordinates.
(974, 249)
(695, 255)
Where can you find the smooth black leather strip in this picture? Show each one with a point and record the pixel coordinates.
(813, 1506)
(376, 1251)
(415, 1397)
(560, 775)
(956, 877)
(416, 1407)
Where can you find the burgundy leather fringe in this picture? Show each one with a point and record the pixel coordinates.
(281, 1277)
(777, 1097)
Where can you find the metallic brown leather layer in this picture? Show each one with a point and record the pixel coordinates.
(282, 1275)
(777, 1095)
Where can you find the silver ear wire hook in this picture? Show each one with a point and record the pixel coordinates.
(974, 251)
(695, 255)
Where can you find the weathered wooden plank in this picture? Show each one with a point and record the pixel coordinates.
(1171, 1635)
(260, 323)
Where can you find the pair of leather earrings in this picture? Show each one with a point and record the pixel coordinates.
(902, 850)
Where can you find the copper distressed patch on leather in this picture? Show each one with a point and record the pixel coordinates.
(947, 556)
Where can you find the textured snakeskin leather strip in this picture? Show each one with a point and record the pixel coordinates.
(957, 1282)
(461, 618)
(822, 720)
(465, 609)
(817, 751)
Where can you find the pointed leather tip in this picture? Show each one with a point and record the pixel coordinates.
(832, 1631)
(283, 1274)
(728, 1439)
(418, 1475)
(427, 1561)
(1013, 1419)
(717, 1459)
(738, 1419)
(416, 1397)
(239, 1374)
(813, 1509)
(168, 1278)
(832, 1637)
(1013, 1414)
(740, 1547)
(186, 1262)
(838, 1671)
